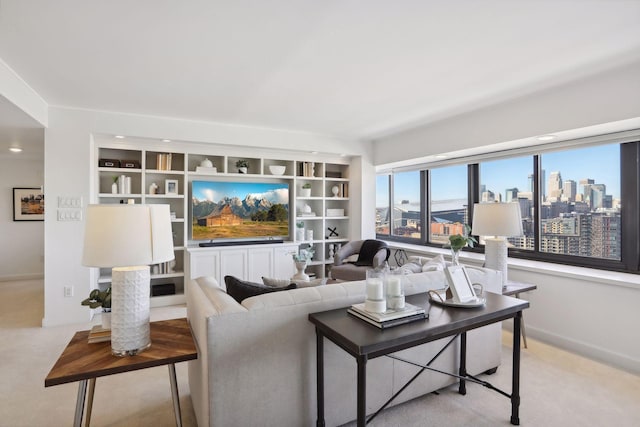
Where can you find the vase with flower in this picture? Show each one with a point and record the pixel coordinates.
(459, 241)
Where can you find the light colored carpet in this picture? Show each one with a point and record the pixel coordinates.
(557, 388)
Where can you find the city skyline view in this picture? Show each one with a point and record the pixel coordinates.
(579, 201)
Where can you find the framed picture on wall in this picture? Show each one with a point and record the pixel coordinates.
(28, 204)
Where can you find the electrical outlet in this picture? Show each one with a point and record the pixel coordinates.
(68, 291)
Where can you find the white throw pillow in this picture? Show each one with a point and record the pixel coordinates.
(310, 283)
(276, 283)
(435, 264)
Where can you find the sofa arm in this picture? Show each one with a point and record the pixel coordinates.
(345, 251)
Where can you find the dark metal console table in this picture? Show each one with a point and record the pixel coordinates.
(364, 342)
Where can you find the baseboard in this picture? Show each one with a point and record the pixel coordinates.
(599, 354)
(16, 277)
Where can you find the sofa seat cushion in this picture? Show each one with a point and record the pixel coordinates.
(241, 289)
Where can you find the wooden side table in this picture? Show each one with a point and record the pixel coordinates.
(515, 288)
(171, 342)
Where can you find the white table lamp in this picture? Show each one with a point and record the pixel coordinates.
(496, 221)
(127, 238)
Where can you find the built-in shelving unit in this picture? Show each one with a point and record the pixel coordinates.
(157, 176)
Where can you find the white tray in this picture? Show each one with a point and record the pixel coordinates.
(478, 302)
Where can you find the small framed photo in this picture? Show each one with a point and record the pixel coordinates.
(171, 186)
(460, 285)
(28, 204)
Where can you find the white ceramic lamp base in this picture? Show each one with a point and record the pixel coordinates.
(495, 251)
(130, 288)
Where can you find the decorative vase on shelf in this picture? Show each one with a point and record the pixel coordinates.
(206, 163)
(300, 275)
(114, 188)
(242, 170)
(300, 234)
(455, 256)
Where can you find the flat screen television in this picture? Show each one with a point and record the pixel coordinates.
(239, 210)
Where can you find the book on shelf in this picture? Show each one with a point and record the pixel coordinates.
(388, 323)
(163, 162)
(99, 334)
(390, 317)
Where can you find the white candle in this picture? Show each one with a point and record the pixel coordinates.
(394, 286)
(375, 289)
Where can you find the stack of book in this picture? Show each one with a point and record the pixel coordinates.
(163, 162)
(98, 334)
(390, 317)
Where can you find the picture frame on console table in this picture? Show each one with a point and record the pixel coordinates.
(461, 286)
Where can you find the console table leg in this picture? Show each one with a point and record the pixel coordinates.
(362, 391)
(175, 395)
(515, 376)
(92, 388)
(82, 392)
(462, 388)
(320, 378)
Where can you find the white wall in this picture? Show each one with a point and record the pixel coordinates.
(22, 249)
(607, 97)
(68, 172)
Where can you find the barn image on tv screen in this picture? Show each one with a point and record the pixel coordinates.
(238, 210)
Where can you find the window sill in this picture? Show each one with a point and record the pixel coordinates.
(582, 273)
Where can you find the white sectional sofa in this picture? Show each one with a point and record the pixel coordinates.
(256, 360)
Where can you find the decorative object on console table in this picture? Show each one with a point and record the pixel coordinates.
(459, 241)
(28, 204)
(171, 187)
(496, 221)
(98, 298)
(127, 238)
(375, 301)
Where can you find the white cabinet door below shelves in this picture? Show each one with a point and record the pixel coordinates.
(260, 264)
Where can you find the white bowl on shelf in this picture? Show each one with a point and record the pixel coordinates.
(277, 169)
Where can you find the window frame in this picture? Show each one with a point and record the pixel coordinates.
(630, 211)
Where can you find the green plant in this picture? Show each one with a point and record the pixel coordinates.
(242, 163)
(307, 185)
(115, 179)
(98, 298)
(300, 224)
(459, 241)
(305, 255)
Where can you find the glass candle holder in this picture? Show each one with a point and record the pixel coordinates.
(375, 301)
(395, 289)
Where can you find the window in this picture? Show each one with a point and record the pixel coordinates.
(405, 215)
(578, 205)
(383, 213)
(511, 180)
(580, 209)
(448, 202)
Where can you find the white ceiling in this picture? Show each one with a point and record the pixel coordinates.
(357, 69)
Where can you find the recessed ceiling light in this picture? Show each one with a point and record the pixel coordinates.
(441, 156)
(166, 140)
(546, 137)
(314, 152)
(119, 136)
(15, 149)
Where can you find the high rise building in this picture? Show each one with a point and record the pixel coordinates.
(569, 190)
(555, 186)
(510, 194)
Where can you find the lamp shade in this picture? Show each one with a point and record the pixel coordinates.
(127, 235)
(497, 219)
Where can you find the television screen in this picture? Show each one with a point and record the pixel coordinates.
(239, 210)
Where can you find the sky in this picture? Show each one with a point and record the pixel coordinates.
(600, 163)
(216, 190)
